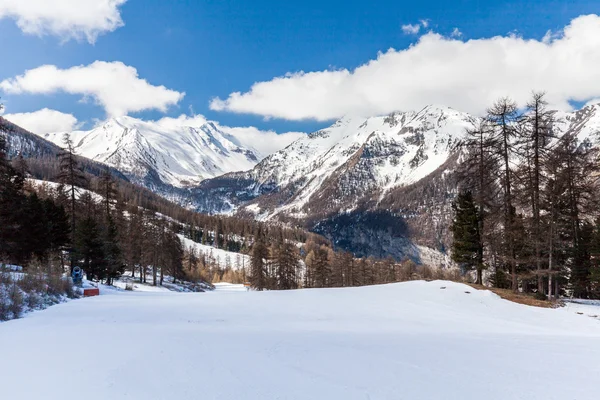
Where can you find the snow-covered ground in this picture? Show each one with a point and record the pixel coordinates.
(230, 287)
(413, 340)
(221, 257)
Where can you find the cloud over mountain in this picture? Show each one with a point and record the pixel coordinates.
(465, 74)
(113, 85)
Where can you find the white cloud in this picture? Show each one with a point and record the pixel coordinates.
(456, 33)
(266, 142)
(113, 85)
(44, 121)
(411, 29)
(182, 120)
(67, 19)
(425, 23)
(466, 75)
(593, 101)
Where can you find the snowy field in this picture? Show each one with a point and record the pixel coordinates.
(410, 341)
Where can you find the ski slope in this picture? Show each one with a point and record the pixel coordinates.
(410, 341)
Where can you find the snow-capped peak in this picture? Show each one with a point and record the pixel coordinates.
(179, 154)
(358, 155)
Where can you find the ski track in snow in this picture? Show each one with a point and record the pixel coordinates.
(401, 341)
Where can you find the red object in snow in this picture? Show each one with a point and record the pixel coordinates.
(91, 292)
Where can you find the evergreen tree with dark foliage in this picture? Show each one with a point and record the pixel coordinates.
(594, 248)
(90, 248)
(71, 178)
(258, 263)
(112, 249)
(57, 229)
(286, 263)
(467, 247)
(11, 186)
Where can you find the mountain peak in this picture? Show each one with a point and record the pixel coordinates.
(176, 153)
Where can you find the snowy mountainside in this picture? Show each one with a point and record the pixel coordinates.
(368, 184)
(223, 258)
(151, 153)
(334, 168)
(41, 154)
(584, 123)
(20, 141)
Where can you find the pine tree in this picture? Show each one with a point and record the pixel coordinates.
(90, 249)
(467, 247)
(594, 285)
(11, 186)
(58, 228)
(503, 117)
(258, 263)
(112, 249)
(286, 260)
(71, 178)
(572, 195)
(318, 270)
(133, 242)
(533, 150)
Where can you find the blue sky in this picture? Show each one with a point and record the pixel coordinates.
(213, 48)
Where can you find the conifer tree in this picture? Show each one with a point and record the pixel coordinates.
(594, 285)
(286, 260)
(258, 263)
(90, 249)
(503, 117)
(70, 177)
(533, 150)
(11, 186)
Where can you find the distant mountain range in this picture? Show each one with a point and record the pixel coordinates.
(151, 153)
(376, 186)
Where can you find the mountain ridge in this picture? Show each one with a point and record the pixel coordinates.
(395, 170)
(151, 153)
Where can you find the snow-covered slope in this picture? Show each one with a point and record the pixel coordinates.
(335, 167)
(413, 340)
(341, 178)
(584, 123)
(223, 258)
(178, 155)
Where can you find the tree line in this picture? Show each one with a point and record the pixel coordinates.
(527, 208)
(280, 264)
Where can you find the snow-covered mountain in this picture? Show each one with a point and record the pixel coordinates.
(335, 168)
(376, 185)
(584, 123)
(152, 153)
